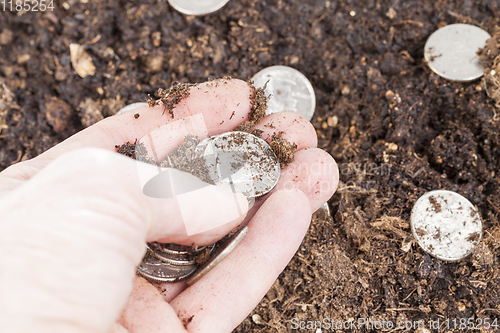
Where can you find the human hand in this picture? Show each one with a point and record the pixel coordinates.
(74, 224)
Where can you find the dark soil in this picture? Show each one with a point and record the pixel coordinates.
(396, 129)
(491, 59)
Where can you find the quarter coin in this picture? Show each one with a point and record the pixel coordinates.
(446, 225)
(219, 253)
(155, 270)
(451, 52)
(290, 90)
(197, 7)
(241, 160)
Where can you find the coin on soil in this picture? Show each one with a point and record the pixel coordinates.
(197, 7)
(451, 52)
(290, 90)
(446, 225)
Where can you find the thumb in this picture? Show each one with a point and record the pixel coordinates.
(83, 221)
(195, 212)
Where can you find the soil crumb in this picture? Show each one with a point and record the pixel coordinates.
(491, 60)
(186, 322)
(283, 149)
(171, 97)
(257, 110)
(257, 133)
(183, 158)
(435, 204)
(130, 149)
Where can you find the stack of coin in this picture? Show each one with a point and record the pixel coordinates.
(171, 262)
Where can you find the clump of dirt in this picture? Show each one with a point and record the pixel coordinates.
(58, 113)
(132, 149)
(283, 149)
(7, 102)
(171, 97)
(257, 132)
(436, 205)
(183, 158)
(258, 108)
(91, 110)
(491, 60)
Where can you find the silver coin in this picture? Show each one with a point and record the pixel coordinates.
(176, 249)
(220, 253)
(179, 259)
(132, 106)
(451, 52)
(290, 90)
(197, 7)
(155, 270)
(168, 256)
(446, 225)
(325, 208)
(241, 160)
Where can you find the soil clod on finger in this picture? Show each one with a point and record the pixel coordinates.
(257, 110)
(283, 149)
(171, 97)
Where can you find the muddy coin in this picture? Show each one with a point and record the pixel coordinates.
(155, 270)
(451, 52)
(446, 225)
(290, 90)
(241, 160)
(197, 7)
(220, 252)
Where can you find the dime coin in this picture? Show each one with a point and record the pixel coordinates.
(132, 106)
(219, 253)
(155, 270)
(241, 160)
(290, 90)
(451, 52)
(446, 225)
(197, 7)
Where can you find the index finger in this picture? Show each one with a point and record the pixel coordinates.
(222, 104)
